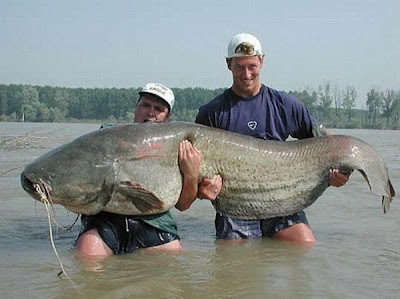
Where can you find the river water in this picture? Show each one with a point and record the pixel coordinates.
(356, 254)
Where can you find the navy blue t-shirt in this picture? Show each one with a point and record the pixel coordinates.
(269, 115)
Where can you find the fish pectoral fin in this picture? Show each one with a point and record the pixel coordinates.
(144, 200)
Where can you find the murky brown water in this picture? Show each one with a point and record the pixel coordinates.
(357, 253)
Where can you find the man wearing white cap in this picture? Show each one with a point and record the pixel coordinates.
(252, 108)
(105, 233)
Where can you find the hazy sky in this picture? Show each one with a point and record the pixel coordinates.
(183, 43)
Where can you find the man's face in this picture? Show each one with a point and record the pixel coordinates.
(151, 108)
(246, 74)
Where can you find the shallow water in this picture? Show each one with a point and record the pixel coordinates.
(357, 252)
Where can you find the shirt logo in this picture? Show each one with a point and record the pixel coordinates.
(252, 125)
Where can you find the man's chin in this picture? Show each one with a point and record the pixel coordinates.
(246, 85)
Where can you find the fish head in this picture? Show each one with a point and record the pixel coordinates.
(67, 176)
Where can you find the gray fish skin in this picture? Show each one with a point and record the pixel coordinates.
(133, 170)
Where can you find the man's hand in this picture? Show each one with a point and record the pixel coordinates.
(189, 159)
(338, 178)
(210, 188)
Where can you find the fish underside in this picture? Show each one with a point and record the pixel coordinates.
(133, 170)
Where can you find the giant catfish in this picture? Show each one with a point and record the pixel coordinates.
(133, 170)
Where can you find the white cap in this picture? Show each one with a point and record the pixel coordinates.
(161, 91)
(244, 44)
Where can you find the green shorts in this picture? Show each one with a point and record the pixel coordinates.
(125, 233)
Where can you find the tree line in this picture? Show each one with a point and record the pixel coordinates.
(331, 105)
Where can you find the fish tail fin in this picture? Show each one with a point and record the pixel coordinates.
(386, 200)
(386, 203)
(388, 190)
(391, 189)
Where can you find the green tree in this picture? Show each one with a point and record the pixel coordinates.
(396, 111)
(3, 99)
(308, 97)
(14, 98)
(30, 105)
(337, 96)
(374, 103)
(325, 98)
(61, 101)
(43, 113)
(388, 101)
(349, 101)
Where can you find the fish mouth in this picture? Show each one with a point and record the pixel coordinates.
(27, 184)
(34, 188)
